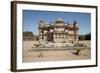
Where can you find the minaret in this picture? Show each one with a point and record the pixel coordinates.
(75, 25)
(41, 32)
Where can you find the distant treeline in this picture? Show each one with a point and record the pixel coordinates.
(28, 35)
(85, 36)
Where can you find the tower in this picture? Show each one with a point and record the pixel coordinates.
(41, 32)
(76, 28)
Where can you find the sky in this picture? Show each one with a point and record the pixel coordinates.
(31, 19)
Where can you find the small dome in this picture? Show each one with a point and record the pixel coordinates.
(46, 25)
(75, 22)
(41, 23)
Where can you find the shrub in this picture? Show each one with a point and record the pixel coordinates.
(36, 45)
(77, 52)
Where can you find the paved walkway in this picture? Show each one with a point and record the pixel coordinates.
(54, 55)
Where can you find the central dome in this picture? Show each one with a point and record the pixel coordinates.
(59, 20)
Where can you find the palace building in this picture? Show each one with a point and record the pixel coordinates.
(58, 32)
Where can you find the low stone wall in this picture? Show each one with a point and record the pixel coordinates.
(59, 44)
(86, 42)
(29, 44)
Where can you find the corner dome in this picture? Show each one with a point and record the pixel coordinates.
(42, 21)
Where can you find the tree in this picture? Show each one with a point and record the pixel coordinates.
(85, 36)
(88, 36)
(81, 37)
